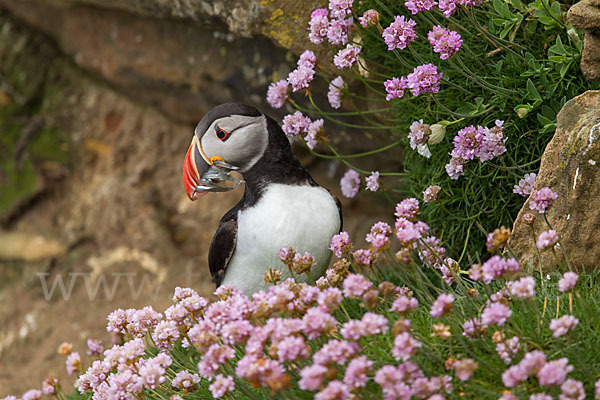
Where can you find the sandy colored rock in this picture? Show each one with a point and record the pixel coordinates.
(571, 167)
(28, 246)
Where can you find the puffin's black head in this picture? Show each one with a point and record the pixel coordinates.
(231, 134)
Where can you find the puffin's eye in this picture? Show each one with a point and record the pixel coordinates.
(222, 134)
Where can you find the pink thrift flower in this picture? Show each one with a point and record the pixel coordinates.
(416, 6)
(165, 334)
(524, 288)
(561, 326)
(495, 314)
(369, 18)
(514, 375)
(404, 305)
(492, 145)
(356, 372)
(94, 347)
(442, 305)
(235, 332)
(568, 282)
(152, 370)
(554, 372)
(336, 351)
(307, 59)
(318, 25)
(372, 181)
(301, 77)
(542, 199)
(311, 377)
(315, 321)
(32, 394)
(374, 324)
(221, 386)
(444, 41)
(211, 360)
(277, 93)
(424, 79)
(379, 236)
(525, 186)
(314, 133)
(508, 349)
(346, 57)
(497, 267)
(363, 257)
(295, 124)
(335, 390)
(185, 380)
(473, 328)
(546, 239)
(395, 88)
(334, 94)
(400, 33)
(73, 363)
(355, 285)
(292, 348)
(455, 168)
(337, 32)
(467, 143)
(541, 396)
(330, 299)
(49, 386)
(404, 346)
(350, 183)
(407, 208)
(431, 193)
(572, 390)
(419, 134)
(340, 8)
(340, 244)
(447, 7)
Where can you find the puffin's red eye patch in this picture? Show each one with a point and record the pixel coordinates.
(222, 134)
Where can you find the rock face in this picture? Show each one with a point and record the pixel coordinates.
(283, 21)
(571, 167)
(586, 15)
(183, 68)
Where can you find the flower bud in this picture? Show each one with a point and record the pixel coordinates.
(438, 132)
(528, 218)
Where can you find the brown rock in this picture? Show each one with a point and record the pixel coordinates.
(184, 68)
(283, 21)
(570, 167)
(586, 15)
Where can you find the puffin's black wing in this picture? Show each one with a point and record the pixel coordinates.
(223, 246)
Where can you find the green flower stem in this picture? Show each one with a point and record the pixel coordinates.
(362, 171)
(336, 121)
(358, 155)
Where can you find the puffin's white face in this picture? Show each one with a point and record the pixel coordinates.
(239, 140)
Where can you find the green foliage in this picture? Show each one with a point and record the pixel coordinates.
(518, 63)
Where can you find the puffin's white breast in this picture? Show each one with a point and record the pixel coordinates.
(302, 217)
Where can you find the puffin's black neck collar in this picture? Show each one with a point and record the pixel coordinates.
(277, 165)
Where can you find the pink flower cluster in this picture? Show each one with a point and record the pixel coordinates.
(379, 237)
(444, 41)
(334, 30)
(424, 79)
(416, 6)
(400, 33)
(542, 199)
(334, 95)
(534, 364)
(350, 183)
(471, 142)
(525, 186)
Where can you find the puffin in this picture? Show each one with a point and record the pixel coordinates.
(282, 205)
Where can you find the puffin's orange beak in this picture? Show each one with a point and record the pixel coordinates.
(194, 167)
